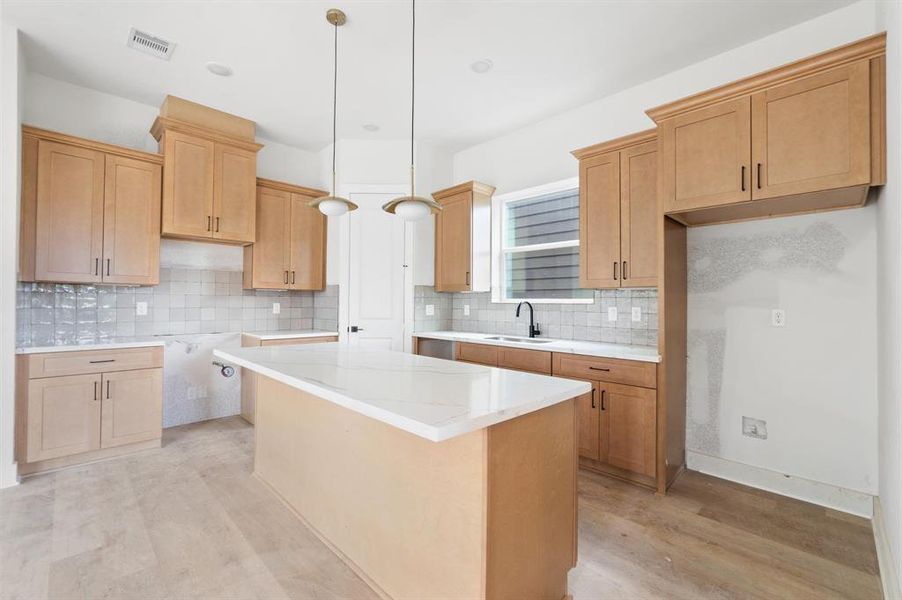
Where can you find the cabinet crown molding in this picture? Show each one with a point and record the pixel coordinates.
(290, 187)
(225, 123)
(469, 186)
(71, 140)
(626, 141)
(162, 124)
(865, 49)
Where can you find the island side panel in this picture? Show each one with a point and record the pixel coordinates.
(532, 504)
(407, 513)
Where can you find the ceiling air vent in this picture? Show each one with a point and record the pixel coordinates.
(148, 44)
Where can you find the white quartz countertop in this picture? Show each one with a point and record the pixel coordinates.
(433, 398)
(114, 345)
(287, 335)
(601, 349)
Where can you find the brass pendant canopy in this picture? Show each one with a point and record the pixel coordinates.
(333, 205)
(412, 207)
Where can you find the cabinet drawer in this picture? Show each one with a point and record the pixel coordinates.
(534, 361)
(629, 372)
(54, 364)
(478, 353)
(296, 341)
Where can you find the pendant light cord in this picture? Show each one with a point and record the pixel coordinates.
(334, 104)
(413, 80)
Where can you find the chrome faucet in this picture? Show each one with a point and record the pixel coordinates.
(533, 327)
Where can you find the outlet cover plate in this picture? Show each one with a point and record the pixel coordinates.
(612, 313)
(637, 313)
(755, 428)
(276, 308)
(141, 308)
(466, 310)
(430, 310)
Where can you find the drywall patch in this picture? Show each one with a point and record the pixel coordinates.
(705, 370)
(716, 263)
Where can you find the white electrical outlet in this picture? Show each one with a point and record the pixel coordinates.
(430, 310)
(466, 310)
(141, 308)
(612, 313)
(637, 313)
(778, 317)
(276, 308)
(756, 428)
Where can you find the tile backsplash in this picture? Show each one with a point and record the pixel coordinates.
(588, 322)
(186, 301)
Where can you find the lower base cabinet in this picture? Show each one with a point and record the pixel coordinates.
(627, 427)
(67, 418)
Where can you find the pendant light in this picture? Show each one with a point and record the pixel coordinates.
(412, 207)
(332, 205)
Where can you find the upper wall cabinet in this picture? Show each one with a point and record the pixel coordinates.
(290, 251)
(463, 238)
(804, 137)
(618, 207)
(209, 175)
(90, 211)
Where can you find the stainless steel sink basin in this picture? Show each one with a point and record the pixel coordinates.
(518, 340)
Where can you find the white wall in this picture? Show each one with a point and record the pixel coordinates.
(739, 309)
(12, 74)
(889, 299)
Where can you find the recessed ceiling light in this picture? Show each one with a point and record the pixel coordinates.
(482, 66)
(371, 127)
(219, 69)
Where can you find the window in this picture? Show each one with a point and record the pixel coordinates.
(536, 245)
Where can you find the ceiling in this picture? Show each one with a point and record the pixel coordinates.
(548, 56)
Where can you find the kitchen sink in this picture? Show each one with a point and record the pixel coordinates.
(518, 340)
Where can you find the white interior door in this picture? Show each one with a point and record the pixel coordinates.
(376, 272)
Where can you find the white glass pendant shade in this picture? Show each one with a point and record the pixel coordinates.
(411, 210)
(332, 206)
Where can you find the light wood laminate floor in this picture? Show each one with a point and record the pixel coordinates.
(189, 521)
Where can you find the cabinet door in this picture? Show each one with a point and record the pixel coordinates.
(628, 427)
(63, 416)
(132, 407)
(69, 214)
(453, 243)
(270, 251)
(639, 216)
(234, 194)
(131, 221)
(599, 221)
(307, 254)
(588, 413)
(813, 134)
(706, 156)
(187, 186)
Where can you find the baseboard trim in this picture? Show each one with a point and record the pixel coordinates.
(888, 575)
(823, 494)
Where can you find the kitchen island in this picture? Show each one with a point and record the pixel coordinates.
(430, 478)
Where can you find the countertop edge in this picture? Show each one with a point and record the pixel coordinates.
(431, 433)
(551, 347)
(278, 335)
(88, 347)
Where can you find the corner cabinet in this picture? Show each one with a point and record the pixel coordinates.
(90, 211)
(290, 251)
(209, 174)
(805, 137)
(463, 238)
(618, 212)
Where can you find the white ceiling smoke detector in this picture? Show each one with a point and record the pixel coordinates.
(482, 66)
(217, 68)
(149, 44)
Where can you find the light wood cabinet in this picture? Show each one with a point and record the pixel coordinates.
(132, 407)
(90, 211)
(291, 249)
(64, 416)
(209, 175)
(463, 238)
(75, 406)
(805, 137)
(249, 379)
(588, 421)
(618, 212)
(627, 427)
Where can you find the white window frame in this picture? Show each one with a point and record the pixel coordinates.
(499, 250)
